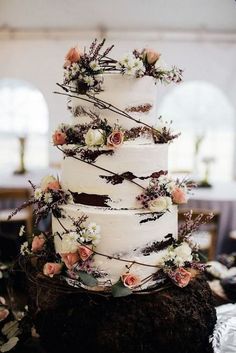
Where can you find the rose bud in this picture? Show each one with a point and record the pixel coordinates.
(179, 196)
(59, 138)
(115, 139)
(152, 56)
(51, 268)
(49, 182)
(181, 277)
(130, 280)
(73, 55)
(3, 314)
(38, 243)
(84, 252)
(70, 259)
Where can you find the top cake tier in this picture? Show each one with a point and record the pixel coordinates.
(135, 99)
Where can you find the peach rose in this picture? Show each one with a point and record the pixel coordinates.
(73, 55)
(115, 139)
(51, 268)
(3, 314)
(84, 252)
(38, 243)
(50, 182)
(179, 196)
(152, 56)
(130, 280)
(181, 277)
(54, 185)
(70, 259)
(59, 138)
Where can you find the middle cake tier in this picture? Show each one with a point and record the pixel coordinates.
(108, 177)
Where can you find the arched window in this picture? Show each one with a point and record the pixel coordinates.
(23, 113)
(206, 119)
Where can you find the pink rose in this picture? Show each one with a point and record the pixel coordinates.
(84, 252)
(73, 55)
(54, 185)
(152, 56)
(180, 277)
(3, 314)
(38, 243)
(51, 268)
(179, 196)
(115, 139)
(59, 138)
(130, 280)
(70, 259)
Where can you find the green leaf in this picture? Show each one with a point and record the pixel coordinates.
(87, 279)
(119, 290)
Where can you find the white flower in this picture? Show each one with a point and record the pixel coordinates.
(126, 60)
(24, 249)
(184, 252)
(138, 65)
(22, 231)
(160, 204)
(94, 65)
(38, 193)
(67, 75)
(170, 186)
(94, 137)
(48, 197)
(74, 68)
(95, 239)
(69, 243)
(89, 80)
(94, 228)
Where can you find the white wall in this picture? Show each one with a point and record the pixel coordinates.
(39, 60)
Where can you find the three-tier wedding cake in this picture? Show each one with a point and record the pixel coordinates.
(115, 219)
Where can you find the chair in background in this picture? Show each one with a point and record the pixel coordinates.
(9, 229)
(206, 236)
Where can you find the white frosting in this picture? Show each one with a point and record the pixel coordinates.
(121, 235)
(141, 160)
(123, 92)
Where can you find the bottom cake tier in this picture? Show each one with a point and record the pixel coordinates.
(174, 320)
(129, 240)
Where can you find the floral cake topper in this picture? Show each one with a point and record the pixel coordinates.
(83, 70)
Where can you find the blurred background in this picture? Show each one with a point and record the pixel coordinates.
(198, 36)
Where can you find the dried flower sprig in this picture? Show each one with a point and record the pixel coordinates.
(45, 199)
(192, 223)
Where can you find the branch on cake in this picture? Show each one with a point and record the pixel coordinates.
(163, 135)
(72, 153)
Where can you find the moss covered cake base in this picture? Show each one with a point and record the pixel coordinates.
(174, 320)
